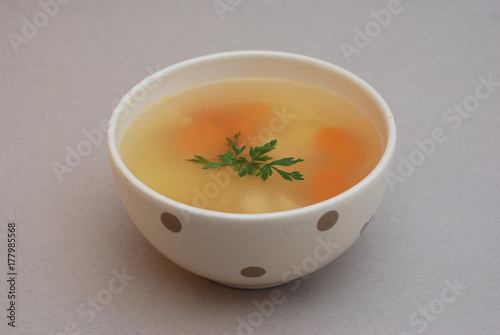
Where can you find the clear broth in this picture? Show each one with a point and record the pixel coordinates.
(339, 143)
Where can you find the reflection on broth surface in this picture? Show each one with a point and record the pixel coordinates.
(340, 145)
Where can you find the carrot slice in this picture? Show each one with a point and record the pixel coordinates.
(341, 145)
(206, 134)
(248, 118)
(231, 115)
(202, 138)
(327, 183)
(344, 152)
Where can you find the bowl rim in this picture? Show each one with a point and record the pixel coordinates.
(384, 162)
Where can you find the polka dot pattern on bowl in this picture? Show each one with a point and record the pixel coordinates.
(171, 222)
(253, 272)
(327, 220)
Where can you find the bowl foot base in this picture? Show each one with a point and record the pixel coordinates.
(249, 286)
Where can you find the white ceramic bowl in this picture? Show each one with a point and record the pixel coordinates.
(251, 250)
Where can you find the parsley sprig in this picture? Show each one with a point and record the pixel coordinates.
(258, 161)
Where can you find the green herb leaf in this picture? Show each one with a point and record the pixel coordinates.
(290, 175)
(258, 156)
(199, 160)
(259, 153)
(287, 161)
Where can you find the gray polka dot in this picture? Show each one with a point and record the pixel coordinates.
(327, 220)
(253, 272)
(171, 222)
(365, 225)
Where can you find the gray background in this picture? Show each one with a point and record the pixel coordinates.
(438, 225)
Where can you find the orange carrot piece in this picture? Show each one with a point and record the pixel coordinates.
(202, 138)
(248, 118)
(206, 134)
(341, 145)
(327, 183)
